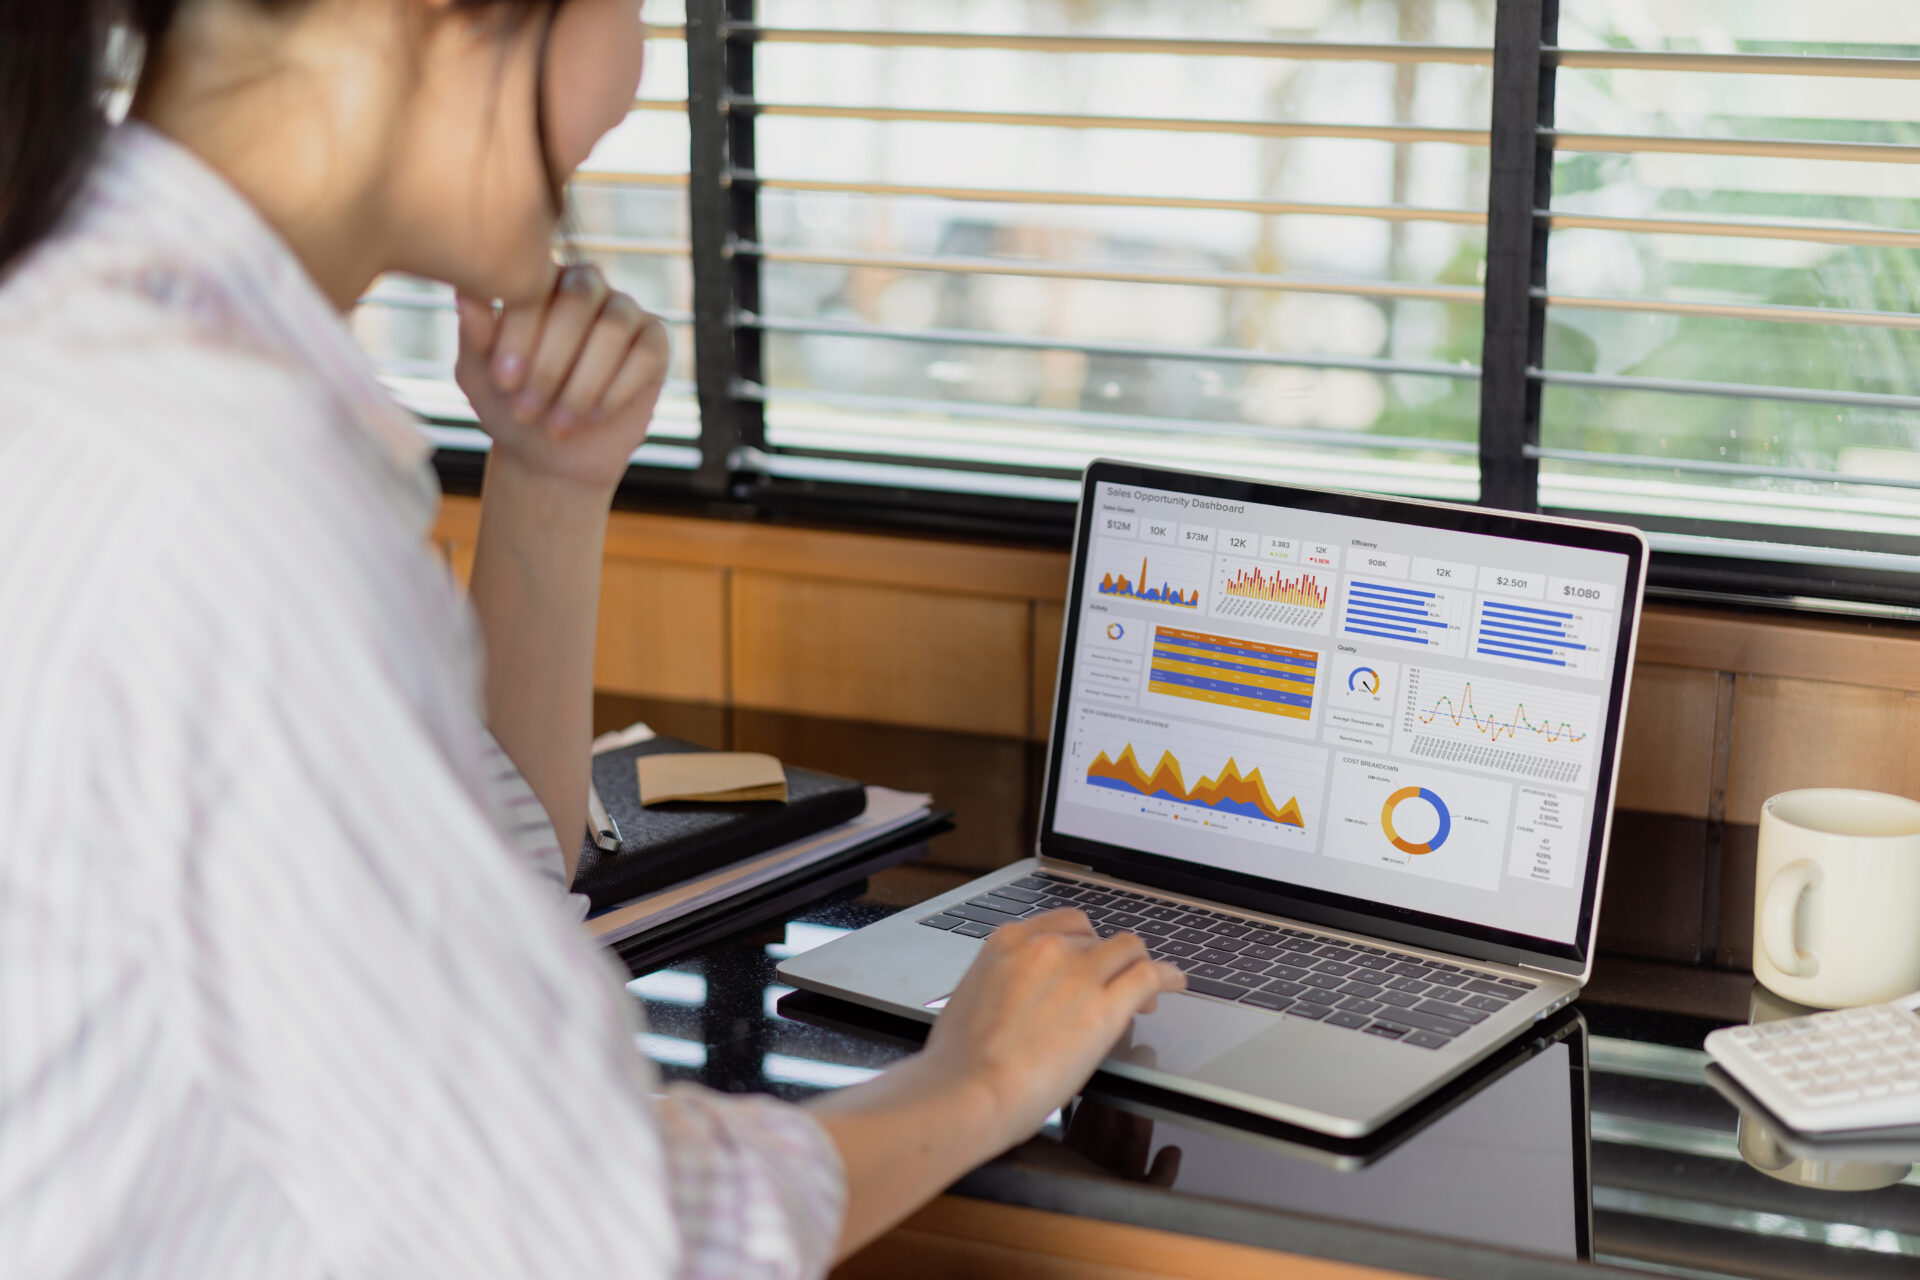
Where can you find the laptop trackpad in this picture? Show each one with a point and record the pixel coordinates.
(1185, 1033)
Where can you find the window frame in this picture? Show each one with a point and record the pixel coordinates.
(739, 476)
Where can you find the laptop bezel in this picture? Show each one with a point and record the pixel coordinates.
(1337, 911)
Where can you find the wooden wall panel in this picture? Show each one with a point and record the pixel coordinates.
(459, 553)
(1739, 864)
(1811, 733)
(662, 631)
(983, 780)
(1654, 902)
(1667, 749)
(1877, 654)
(960, 1239)
(881, 653)
(1049, 617)
(1021, 573)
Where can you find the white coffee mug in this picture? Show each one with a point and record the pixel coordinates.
(1836, 904)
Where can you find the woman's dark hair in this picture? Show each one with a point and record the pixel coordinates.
(55, 77)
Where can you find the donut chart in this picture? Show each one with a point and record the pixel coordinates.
(1400, 797)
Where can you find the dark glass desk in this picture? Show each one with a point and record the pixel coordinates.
(1597, 1143)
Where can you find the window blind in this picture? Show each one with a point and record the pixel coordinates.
(1731, 341)
(996, 241)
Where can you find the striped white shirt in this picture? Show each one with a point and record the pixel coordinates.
(282, 993)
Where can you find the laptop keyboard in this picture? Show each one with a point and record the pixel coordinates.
(1366, 989)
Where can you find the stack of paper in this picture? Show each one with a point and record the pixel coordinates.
(887, 810)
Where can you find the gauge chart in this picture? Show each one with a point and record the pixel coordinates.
(1521, 730)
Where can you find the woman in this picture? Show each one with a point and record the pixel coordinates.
(281, 990)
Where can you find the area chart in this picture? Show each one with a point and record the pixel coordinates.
(1165, 577)
(1234, 673)
(1230, 792)
(1119, 584)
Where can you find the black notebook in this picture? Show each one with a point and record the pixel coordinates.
(676, 841)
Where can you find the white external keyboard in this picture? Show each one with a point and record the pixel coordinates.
(1837, 1072)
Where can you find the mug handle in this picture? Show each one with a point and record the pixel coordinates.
(1777, 919)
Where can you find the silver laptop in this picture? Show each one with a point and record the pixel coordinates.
(1348, 761)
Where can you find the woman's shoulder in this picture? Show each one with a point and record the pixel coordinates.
(116, 390)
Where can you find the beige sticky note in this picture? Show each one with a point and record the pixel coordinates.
(717, 776)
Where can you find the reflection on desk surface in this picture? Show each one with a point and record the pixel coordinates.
(1506, 1166)
(1670, 1192)
(1660, 1169)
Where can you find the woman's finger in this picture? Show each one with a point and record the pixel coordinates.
(577, 302)
(519, 330)
(1115, 955)
(600, 360)
(1138, 984)
(645, 369)
(479, 325)
(1059, 920)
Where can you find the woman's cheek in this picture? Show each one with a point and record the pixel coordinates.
(594, 61)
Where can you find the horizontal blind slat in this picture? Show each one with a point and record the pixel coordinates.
(1812, 233)
(1054, 271)
(1151, 124)
(1009, 195)
(1290, 50)
(1331, 439)
(1725, 390)
(1780, 64)
(1706, 466)
(1739, 311)
(1145, 351)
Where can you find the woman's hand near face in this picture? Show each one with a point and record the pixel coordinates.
(565, 384)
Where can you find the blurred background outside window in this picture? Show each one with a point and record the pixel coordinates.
(997, 238)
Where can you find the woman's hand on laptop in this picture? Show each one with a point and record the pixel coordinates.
(1044, 1002)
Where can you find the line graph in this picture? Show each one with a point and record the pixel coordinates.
(1493, 726)
(1506, 727)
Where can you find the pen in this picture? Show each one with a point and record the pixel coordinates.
(603, 829)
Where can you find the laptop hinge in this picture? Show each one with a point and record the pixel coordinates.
(1550, 972)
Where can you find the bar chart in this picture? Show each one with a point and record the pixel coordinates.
(1419, 617)
(1247, 591)
(1540, 637)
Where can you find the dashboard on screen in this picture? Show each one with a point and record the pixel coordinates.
(1389, 712)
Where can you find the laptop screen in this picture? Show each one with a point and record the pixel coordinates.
(1392, 706)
